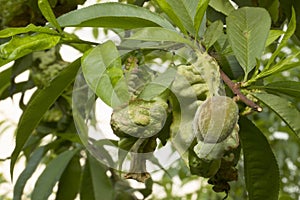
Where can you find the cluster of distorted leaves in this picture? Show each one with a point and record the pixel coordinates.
(46, 65)
(139, 120)
(131, 122)
(219, 164)
(18, 13)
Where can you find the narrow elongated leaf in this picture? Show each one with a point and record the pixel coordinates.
(69, 183)
(113, 15)
(160, 35)
(282, 65)
(201, 9)
(38, 105)
(223, 6)
(48, 13)
(47, 180)
(4, 80)
(31, 166)
(261, 169)
(247, 30)
(18, 46)
(291, 88)
(273, 35)
(288, 34)
(87, 188)
(103, 188)
(212, 33)
(8, 32)
(103, 72)
(163, 4)
(283, 108)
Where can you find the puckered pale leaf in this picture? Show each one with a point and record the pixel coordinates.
(261, 169)
(247, 30)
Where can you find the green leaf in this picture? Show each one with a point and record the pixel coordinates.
(261, 169)
(113, 15)
(291, 88)
(38, 105)
(213, 33)
(5, 80)
(69, 182)
(160, 35)
(280, 66)
(87, 188)
(31, 166)
(247, 30)
(20, 46)
(158, 85)
(283, 108)
(273, 35)
(53, 171)
(48, 13)
(8, 32)
(288, 33)
(201, 9)
(222, 6)
(171, 14)
(97, 67)
(185, 11)
(272, 7)
(103, 188)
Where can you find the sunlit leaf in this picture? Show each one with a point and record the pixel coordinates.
(288, 34)
(247, 30)
(201, 9)
(261, 169)
(38, 105)
(273, 35)
(8, 32)
(283, 108)
(53, 171)
(113, 15)
(48, 13)
(280, 66)
(20, 46)
(163, 4)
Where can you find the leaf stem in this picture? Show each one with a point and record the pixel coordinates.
(235, 88)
